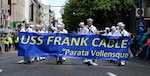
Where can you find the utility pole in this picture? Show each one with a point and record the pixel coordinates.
(141, 10)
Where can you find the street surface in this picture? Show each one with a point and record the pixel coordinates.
(72, 67)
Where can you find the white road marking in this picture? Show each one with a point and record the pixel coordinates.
(110, 74)
(1, 70)
(21, 61)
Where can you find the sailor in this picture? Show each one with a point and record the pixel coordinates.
(59, 58)
(33, 31)
(89, 30)
(33, 28)
(44, 26)
(107, 30)
(26, 28)
(27, 59)
(63, 28)
(81, 28)
(113, 31)
(42, 30)
(54, 28)
(117, 27)
(38, 30)
(122, 32)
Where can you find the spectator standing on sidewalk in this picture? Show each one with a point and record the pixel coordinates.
(148, 48)
(144, 40)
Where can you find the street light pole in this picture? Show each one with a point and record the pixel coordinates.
(141, 10)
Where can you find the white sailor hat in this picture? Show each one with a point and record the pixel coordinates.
(107, 28)
(117, 27)
(81, 23)
(62, 24)
(32, 26)
(59, 25)
(113, 27)
(27, 22)
(90, 19)
(38, 25)
(120, 24)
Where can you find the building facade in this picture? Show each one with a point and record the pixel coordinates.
(4, 15)
(12, 11)
(34, 11)
(45, 13)
(17, 13)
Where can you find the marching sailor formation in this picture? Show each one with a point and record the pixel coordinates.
(88, 29)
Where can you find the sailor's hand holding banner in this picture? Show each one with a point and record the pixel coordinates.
(73, 46)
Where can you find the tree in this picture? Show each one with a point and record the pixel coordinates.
(104, 12)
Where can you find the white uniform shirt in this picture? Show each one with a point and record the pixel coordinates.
(42, 31)
(26, 30)
(122, 33)
(64, 31)
(105, 34)
(82, 31)
(90, 30)
(112, 33)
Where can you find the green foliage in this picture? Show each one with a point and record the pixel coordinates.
(78, 10)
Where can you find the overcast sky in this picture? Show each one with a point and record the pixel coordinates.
(55, 3)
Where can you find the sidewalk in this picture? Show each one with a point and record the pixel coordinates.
(12, 50)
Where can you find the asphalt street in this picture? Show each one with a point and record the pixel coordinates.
(72, 67)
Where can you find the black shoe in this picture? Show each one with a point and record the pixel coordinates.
(89, 63)
(112, 61)
(61, 62)
(27, 62)
(57, 62)
(119, 64)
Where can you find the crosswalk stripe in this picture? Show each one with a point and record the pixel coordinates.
(110, 74)
(1, 70)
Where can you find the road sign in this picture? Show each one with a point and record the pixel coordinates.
(137, 12)
(141, 26)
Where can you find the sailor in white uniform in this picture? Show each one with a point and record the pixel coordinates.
(27, 59)
(107, 30)
(42, 30)
(54, 28)
(122, 32)
(113, 31)
(90, 29)
(33, 28)
(117, 27)
(37, 30)
(59, 30)
(81, 28)
(33, 31)
(44, 25)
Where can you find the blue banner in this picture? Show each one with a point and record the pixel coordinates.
(73, 46)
